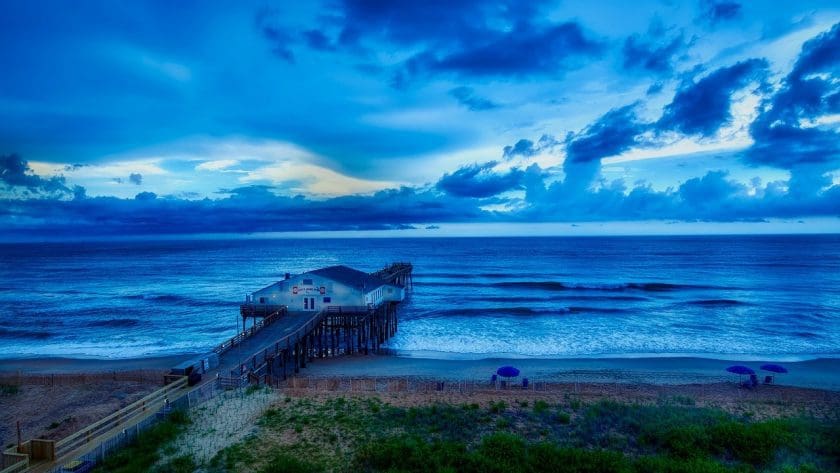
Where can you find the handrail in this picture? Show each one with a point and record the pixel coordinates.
(242, 336)
(16, 467)
(122, 416)
(310, 324)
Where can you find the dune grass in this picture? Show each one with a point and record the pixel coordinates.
(349, 434)
(366, 434)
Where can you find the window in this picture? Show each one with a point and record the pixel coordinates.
(262, 300)
(307, 282)
(306, 303)
(390, 290)
(327, 300)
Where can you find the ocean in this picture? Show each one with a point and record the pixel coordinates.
(769, 297)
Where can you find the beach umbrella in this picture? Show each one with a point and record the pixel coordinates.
(740, 369)
(774, 368)
(507, 372)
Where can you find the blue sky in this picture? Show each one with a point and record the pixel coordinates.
(137, 118)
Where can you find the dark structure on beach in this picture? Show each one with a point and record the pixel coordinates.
(318, 314)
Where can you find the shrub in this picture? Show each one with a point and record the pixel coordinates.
(282, 462)
(142, 454)
(755, 443)
(9, 389)
(498, 407)
(540, 406)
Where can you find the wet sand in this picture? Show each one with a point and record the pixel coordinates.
(87, 365)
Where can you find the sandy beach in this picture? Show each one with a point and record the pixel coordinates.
(88, 389)
(818, 374)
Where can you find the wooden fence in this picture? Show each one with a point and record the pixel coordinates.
(69, 379)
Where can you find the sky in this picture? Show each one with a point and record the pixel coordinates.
(139, 118)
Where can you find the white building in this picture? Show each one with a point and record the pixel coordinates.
(335, 286)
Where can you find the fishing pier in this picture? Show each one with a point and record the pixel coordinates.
(323, 313)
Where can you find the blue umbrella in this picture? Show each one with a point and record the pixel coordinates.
(507, 372)
(774, 368)
(740, 369)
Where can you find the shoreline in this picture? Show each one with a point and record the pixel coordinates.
(50, 365)
(820, 373)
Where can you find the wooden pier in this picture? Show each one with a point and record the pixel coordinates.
(286, 341)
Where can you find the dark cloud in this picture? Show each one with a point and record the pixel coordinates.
(17, 176)
(524, 52)
(316, 39)
(652, 55)
(712, 197)
(613, 133)
(703, 107)
(135, 178)
(655, 88)
(785, 133)
(247, 210)
(523, 147)
(470, 38)
(267, 22)
(466, 96)
(479, 180)
(527, 148)
(716, 11)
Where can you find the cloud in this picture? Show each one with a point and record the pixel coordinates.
(526, 148)
(646, 55)
(613, 133)
(479, 180)
(787, 133)
(17, 176)
(717, 11)
(216, 165)
(526, 51)
(267, 22)
(703, 107)
(135, 178)
(505, 39)
(466, 96)
(316, 39)
(458, 197)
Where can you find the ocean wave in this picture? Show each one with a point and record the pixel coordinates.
(176, 299)
(114, 323)
(562, 286)
(570, 297)
(25, 334)
(514, 311)
(716, 302)
(486, 275)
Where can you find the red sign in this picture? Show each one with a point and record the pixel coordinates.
(294, 290)
(323, 290)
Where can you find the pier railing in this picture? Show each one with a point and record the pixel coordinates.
(260, 359)
(125, 416)
(240, 337)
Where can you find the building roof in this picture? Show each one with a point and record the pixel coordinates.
(350, 277)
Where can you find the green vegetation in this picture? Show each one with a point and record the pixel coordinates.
(9, 389)
(143, 454)
(346, 434)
